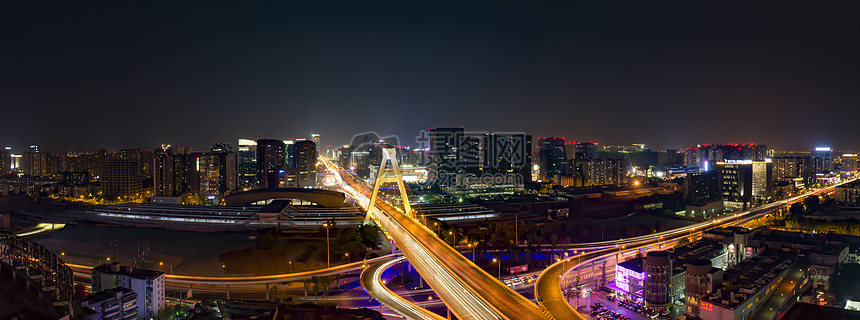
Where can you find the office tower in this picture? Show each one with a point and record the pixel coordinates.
(147, 284)
(444, 150)
(5, 161)
(221, 147)
(788, 167)
(822, 157)
(120, 178)
(344, 157)
(217, 175)
(446, 165)
(848, 162)
(746, 182)
(713, 153)
(304, 159)
(315, 137)
(507, 154)
(701, 186)
(553, 157)
(271, 162)
(585, 150)
(247, 167)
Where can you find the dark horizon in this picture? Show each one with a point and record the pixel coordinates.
(135, 75)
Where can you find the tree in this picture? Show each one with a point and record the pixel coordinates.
(369, 235)
(796, 209)
(682, 242)
(811, 203)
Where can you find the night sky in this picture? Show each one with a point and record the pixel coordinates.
(85, 75)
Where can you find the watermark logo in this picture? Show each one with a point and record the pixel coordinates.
(455, 157)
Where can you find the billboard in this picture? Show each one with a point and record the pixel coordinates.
(518, 269)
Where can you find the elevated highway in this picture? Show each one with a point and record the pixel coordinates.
(549, 283)
(467, 290)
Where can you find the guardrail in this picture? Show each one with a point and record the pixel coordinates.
(41, 266)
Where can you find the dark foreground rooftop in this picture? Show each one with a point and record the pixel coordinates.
(801, 311)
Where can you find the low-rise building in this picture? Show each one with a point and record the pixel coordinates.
(147, 284)
(848, 194)
(112, 304)
(749, 285)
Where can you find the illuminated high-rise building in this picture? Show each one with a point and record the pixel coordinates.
(247, 167)
(585, 150)
(36, 163)
(745, 182)
(789, 167)
(217, 175)
(444, 154)
(553, 157)
(315, 137)
(304, 159)
(171, 174)
(221, 147)
(271, 162)
(506, 154)
(121, 178)
(5, 161)
(713, 153)
(822, 158)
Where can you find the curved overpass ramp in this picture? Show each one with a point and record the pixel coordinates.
(321, 197)
(371, 280)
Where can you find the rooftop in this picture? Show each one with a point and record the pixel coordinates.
(801, 311)
(747, 278)
(108, 294)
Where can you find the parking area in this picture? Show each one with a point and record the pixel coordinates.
(602, 305)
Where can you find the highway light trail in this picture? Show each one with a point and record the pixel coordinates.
(467, 290)
(549, 282)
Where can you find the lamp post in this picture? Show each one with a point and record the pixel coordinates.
(327, 247)
(347, 258)
(291, 267)
(473, 251)
(500, 266)
(453, 241)
(436, 224)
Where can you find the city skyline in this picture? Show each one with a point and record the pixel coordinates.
(432, 160)
(233, 143)
(187, 74)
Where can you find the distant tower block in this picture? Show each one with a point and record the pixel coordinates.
(388, 154)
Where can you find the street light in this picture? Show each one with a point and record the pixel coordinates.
(291, 267)
(500, 266)
(347, 258)
(223, 266)
(473, 251)
(327, 247)
(453, 241)
(516, 229)
(436, 224)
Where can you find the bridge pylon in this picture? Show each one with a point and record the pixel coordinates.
(389, 155)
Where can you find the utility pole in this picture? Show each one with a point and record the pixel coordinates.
(327, 247)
